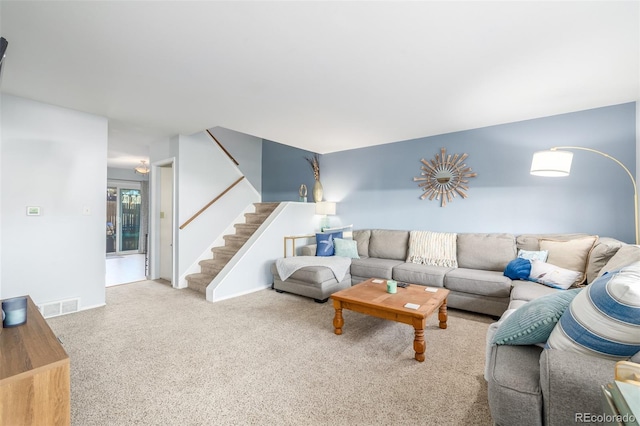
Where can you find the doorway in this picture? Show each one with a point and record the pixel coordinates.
(124, 214)
(163, 218)
(166, 223)
(126, 235)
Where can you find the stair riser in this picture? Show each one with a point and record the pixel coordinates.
(246, 229)
(234, 241)
(223, 256)
(211, 271)
(254, 218)
(197, 285)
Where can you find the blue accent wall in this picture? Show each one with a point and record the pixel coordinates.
(284, 169)
(374, 186)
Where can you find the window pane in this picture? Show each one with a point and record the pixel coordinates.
(130, 216)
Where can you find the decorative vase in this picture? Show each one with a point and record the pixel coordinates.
(302, 192)
(317, 191)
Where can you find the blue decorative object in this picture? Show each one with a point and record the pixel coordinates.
(518, 269)
(325, 244)
(15, 311)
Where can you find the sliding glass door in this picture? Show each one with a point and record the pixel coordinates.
(123, 218)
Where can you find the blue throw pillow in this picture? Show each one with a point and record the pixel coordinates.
(518, 269)
(325, 245)
(534, 321)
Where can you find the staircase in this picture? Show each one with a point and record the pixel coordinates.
(209, 268)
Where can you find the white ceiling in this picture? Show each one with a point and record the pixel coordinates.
(323, 76)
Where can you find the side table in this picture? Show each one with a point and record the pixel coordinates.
(34, 374)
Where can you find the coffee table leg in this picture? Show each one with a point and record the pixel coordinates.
(418, 343)
(442, 314)
(338, 321)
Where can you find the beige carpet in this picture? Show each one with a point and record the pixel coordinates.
(159, 356)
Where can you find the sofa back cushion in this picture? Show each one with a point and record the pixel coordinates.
(389, 244)
(489, 252)
(601, 253)
(626, 255)
(532, 241)
(576, 252)
(362, 237)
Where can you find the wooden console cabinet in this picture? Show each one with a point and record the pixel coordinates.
(34, 374)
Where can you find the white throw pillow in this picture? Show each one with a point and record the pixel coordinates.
(552, 275)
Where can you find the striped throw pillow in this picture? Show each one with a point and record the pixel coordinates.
(603, 320)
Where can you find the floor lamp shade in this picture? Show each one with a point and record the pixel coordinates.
(556, 162)
(551, 163)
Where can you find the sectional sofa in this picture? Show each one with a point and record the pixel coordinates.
(526, 383)
(477, 284)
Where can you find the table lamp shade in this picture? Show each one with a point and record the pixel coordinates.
(552, 163)
(325, 208)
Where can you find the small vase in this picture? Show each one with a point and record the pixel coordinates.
(317, 191)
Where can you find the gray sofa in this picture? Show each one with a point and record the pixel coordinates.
(531, 385)
(526, 384)
(478, 283)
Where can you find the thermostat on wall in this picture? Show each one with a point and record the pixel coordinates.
(33, 211)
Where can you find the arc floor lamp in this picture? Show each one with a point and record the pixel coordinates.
(555, 162)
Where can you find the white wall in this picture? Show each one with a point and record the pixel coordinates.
(114, 173)
(247, 151)
(54, 158)
(250, 269)
(205, 171)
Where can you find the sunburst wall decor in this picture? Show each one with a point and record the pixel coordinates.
(444, 177)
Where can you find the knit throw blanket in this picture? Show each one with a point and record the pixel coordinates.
(288, 265)
(433, 248)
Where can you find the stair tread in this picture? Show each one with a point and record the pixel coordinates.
(224, 249)
(199, 276)
(212, 262)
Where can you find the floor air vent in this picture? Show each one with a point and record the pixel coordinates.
(61, 307)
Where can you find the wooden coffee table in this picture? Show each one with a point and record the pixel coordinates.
(370, 297)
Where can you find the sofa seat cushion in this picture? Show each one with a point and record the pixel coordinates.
(485, 283)
(515, 304)
(374, 267)
(421, 274)
(528, 290)
(309, 274)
